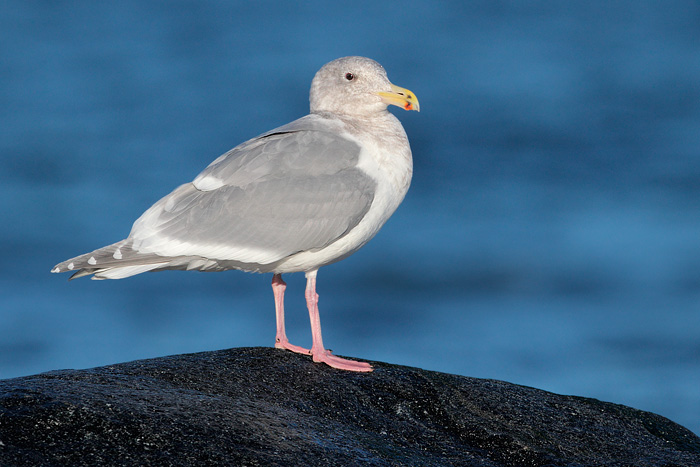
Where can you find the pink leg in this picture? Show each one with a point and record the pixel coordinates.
(281, 342)
(319, 353)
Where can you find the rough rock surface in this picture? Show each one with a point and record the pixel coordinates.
(262, 406)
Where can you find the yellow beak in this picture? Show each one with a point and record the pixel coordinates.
(400, 97)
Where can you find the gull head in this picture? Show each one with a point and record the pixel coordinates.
(357, 86)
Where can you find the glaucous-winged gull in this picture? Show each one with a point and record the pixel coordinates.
(294, 199)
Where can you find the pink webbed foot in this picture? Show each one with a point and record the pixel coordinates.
(284, 344)
(325, 356)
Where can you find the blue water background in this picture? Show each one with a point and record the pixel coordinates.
(551, 236)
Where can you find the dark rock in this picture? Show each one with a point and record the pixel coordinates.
(261, 406)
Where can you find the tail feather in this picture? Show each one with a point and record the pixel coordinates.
(114, 261)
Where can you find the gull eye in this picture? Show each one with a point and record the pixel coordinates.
(349, 76)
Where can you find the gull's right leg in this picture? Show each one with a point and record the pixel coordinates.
(318, 352)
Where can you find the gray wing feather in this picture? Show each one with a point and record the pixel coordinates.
(290, 190)
(304, 147)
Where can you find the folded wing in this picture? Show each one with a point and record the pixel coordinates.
(297, 188)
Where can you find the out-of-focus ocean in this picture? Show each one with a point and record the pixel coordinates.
(551, 236)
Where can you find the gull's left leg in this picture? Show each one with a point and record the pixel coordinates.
(319, 353)
(281, 342)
